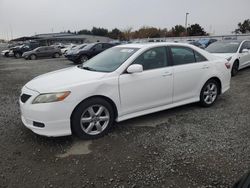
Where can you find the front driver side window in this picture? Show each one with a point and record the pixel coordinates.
(153, 58)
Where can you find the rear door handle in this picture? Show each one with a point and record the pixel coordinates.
(205, 67)
(167, 74)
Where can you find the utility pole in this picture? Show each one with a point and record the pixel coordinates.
(186, 21)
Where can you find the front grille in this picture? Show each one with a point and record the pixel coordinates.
(25, 97)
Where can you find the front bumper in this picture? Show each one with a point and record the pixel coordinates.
(55, 116)
(73, 58)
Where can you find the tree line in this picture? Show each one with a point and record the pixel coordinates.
(144, 32)
(153, 32)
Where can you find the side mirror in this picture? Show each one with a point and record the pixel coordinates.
(135, 68)
(245, 51)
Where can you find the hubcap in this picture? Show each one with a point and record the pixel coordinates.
(84, 59)
(210, 93)
(95, 119)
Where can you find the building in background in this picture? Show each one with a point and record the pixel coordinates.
(65, 38)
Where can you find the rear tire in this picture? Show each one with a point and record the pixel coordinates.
(92, 119)
(209, 93)
(235, 68)
(56, 55)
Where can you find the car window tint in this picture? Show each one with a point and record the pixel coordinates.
(98, 47)
(199, 57)
(182, 55)
(248, 45)
(153, 58)
(105, 46)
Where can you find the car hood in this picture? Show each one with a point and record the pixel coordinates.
(63, 79)
(224, 55)
(4, 51)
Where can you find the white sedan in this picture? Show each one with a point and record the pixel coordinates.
(121, 83)
(237, 52)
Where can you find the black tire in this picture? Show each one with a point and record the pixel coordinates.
(56, 55)
(17, 55)
(32, 57)
(235, 68)
(211, 94)
(6, 54)
(84, 58)
(82, 111)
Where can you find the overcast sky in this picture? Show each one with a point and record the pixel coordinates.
(27, 17)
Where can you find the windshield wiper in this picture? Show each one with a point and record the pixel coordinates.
(88, 68)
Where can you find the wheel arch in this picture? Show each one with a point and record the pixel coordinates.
(110, 101)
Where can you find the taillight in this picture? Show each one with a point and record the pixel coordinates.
(228, 65)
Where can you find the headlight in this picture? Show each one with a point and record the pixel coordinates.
(229, 58)
(51, 97)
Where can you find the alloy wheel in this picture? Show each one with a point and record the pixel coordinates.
(95, 119)
(210, 93)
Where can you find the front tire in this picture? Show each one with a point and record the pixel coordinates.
(17, 55)
(92, 119)
(6, 54)
(235, 68)
(209, 93)
(84, 58)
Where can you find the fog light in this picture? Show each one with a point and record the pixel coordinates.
(38, 124)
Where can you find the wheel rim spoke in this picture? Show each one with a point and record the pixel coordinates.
(104, 118)
(90, 127)
(100, 110)
(91, 111)
(98, 127)
(86, 120)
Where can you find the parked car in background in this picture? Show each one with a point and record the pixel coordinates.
(123, 82)
(237, 52)
(196, 43)
(45, 51)
(89, 51)
(68, 48)
(19, 50)
(6, 53)
(75, 49)
(206, 42)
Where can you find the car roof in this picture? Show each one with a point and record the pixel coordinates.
(228, 41)
(147, 45)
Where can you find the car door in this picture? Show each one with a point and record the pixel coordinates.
(148, 89)
(190, 71)
(40, 52)
(244, 56)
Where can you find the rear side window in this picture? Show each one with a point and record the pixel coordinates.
(182, 55)
(199, 57)
(185, 55)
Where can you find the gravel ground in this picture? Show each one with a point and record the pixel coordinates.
(187, 146)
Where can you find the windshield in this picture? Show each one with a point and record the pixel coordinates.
(79, 47)
(87, 47)
(109, 60)
(223, 47)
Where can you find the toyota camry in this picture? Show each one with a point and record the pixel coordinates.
(122, 82)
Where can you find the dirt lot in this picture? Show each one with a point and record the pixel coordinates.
(187, 146)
